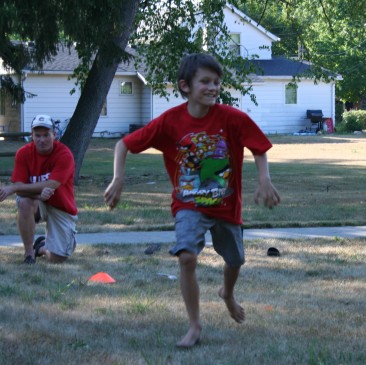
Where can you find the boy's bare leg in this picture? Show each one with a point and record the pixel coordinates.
(190, 292)
(231, 275)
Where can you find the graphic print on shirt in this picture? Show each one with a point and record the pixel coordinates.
(44, 177)
(204, 169)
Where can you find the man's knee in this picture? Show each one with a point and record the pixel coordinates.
(27, 205)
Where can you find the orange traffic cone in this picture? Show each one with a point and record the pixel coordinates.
(102, 277)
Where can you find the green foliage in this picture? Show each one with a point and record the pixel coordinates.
(55, 24)
(163, 32)
(14, 89)
(329, 33)
(354, 120)
(168, 30)
(339, 111)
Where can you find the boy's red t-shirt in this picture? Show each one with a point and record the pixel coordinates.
(31, 167)
(203, 157)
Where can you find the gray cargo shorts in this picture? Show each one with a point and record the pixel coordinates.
(227, 238)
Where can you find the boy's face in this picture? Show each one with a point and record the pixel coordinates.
(204, 88)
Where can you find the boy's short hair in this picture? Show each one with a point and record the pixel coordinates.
(191, 63)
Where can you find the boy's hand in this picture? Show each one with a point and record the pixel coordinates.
(113, 192)
(267, 193)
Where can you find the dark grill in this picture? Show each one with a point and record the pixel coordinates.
(316, 117)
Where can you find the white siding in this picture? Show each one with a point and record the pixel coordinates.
(160, 105)
(53, 98)
(271, 113)
(251, 38)
(274, 116)
(2, 69)
(146, 104)
(122, 110)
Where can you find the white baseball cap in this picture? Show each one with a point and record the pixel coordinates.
(42, 121)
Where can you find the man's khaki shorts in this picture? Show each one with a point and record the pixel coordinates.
(60, 230)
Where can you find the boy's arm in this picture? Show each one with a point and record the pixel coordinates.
(114, 189)
(265, 191)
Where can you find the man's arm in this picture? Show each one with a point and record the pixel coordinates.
(40, 190)
(115, 188)
(265, 191)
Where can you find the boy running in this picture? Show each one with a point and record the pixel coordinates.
(203, 148)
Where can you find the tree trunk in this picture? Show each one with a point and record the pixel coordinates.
(85, 118)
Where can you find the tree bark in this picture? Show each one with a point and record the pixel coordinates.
(86, 115)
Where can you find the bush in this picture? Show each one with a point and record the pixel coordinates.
(354, 120)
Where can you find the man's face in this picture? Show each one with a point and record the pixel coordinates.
(43, 139)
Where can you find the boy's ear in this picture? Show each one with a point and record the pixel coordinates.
(183, 86)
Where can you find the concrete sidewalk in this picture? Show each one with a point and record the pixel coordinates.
(169, 236)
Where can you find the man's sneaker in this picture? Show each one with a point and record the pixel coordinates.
(29, 260)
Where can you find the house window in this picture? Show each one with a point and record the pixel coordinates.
(291, 94)
(234, 43)
(104, 109)
(126, 88)
(2, 102)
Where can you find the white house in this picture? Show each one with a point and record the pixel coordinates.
(281, 108)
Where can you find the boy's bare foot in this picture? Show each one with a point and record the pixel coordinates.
(235, 309)
(191, 338)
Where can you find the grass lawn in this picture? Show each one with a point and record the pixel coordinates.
(305, 307)
(321, 180)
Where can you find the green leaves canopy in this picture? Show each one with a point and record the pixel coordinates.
(329, 33)
(163, 32)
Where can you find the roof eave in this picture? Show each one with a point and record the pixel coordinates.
(252, 22)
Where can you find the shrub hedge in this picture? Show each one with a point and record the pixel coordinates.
(354, 120)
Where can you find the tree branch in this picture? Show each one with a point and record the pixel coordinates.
(263, 12)
(326, 16)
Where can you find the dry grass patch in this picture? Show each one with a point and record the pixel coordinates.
(305, 307)
(331, 149)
